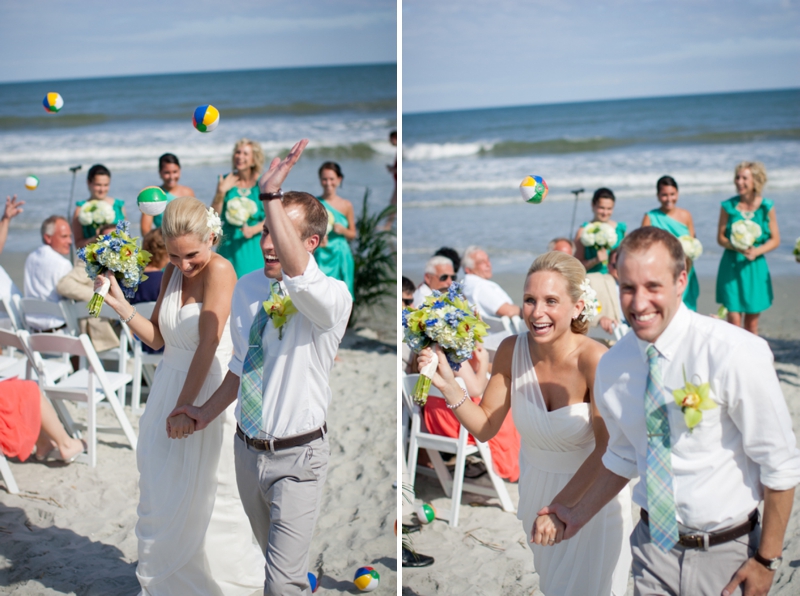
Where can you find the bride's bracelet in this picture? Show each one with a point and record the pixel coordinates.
(463, 399)
(128, 320)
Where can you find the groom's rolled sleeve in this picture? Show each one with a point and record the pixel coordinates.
(324, 300)
(620, 455)
(757, 407)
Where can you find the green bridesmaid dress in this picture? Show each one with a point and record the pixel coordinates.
(742, 285)
(244, 253)
(157, 219)
(91, 231)
(336, 259)
(591, 253)
(661, 220)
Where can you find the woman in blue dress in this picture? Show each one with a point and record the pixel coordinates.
(744, 285)
(677, 222)
(169, 168)
(98, 180)
(596, 260)
(335, 258)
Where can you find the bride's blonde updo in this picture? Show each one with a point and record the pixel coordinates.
(572, 271)
(187, 215)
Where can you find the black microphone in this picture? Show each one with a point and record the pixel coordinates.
(74, 169)
(577, 191)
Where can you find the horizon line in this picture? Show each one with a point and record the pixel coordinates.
(168, 74)
(599, 100)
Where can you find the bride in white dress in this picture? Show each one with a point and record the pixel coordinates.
(546, 376)
(194, 537)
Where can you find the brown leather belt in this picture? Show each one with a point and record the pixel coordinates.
(705, 540)
(277, 444)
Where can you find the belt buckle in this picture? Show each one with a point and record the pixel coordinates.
(701, 540)
(272, 445)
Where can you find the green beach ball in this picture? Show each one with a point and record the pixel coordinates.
(426, 513)
(152, 201)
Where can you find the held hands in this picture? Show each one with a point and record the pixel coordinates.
(548, 530)
(565, 518)
(756, 579)
(273, 178)
(192, 413)
(13, 207)
(179, 426)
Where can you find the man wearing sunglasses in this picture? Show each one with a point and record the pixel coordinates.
(486, 295)
(439, 274)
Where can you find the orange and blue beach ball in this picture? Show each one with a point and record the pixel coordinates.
(205, 118)
(53, 102)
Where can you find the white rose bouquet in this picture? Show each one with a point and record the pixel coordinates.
(95, 213)
(599, 235)
(692, 247)
(239, 210)
(744, 234)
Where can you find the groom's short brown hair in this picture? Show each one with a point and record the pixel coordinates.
(643, 238)
(316, 216)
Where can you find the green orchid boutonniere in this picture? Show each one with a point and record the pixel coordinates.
(280, 309)
(692, 399)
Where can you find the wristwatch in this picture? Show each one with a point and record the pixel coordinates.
(268, 196)
(771, 564)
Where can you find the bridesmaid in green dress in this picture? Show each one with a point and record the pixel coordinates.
(241, 241)
(743, 280)
(169, 168)
(98, 180)
(596, 261)
(677, 222)
(335, 258)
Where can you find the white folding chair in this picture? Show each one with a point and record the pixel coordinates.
(498, 324)
(8, 306)
(23, 367)
(8, 477)
(75, 311)
(90, 386)
(144, 363)
(518, 325)
(453, 486)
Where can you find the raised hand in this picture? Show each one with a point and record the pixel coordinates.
(547, 530)
(273, 178)
(13, 207)
(225, 183)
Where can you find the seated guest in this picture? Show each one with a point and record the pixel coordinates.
(439, 274)
(149, 289)
(45, 267)
(7, 286)
(486, 295)
(27, 419)
(408, 301)
(452, 254)
(562, 244)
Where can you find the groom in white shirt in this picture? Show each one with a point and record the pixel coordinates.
(279, 372)
(704, 467)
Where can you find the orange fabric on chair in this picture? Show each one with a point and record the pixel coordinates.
(504, 445)
(20, 417)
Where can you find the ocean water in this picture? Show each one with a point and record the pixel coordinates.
(126, 123)
(461, 170)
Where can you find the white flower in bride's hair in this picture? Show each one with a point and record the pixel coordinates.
(591, 306)
(214, 222)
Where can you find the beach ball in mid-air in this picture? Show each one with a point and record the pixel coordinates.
(152, 200)
(312, 581)
(533, 189)
(426, 513)
(205, 118)
(366, 579)
(31, 182)
(53, 102)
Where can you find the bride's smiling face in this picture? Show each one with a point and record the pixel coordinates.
(547, 307)
(189, 253)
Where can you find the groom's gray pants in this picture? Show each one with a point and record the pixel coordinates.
(688, 571)
(281, 493)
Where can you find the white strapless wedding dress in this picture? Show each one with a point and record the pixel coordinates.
(194, 537)
(553, 445)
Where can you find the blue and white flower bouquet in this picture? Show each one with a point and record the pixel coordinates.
(446, 319)
(116, 252)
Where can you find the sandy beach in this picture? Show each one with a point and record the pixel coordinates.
(71, 528)
(487, 553)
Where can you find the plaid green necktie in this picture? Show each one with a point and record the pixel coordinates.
(660, 494)
(252, 377)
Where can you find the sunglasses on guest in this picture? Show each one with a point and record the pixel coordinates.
(445, 277)
(408, 301)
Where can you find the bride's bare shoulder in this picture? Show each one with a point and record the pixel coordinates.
(590, 353)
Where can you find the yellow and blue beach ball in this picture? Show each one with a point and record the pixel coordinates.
(31, 182)
(205, 118)
(366, 579)
(533, 189)
(53, 102)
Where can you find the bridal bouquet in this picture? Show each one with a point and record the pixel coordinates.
(239, 210)
(691, 247)
(445, 319)
(744, 234)
(599, 235)
(95, 213)
(116, 252)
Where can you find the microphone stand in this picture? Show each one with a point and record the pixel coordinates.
(577, 193)
(74, 170)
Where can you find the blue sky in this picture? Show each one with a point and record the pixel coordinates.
(94, 38)
(481, 53)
